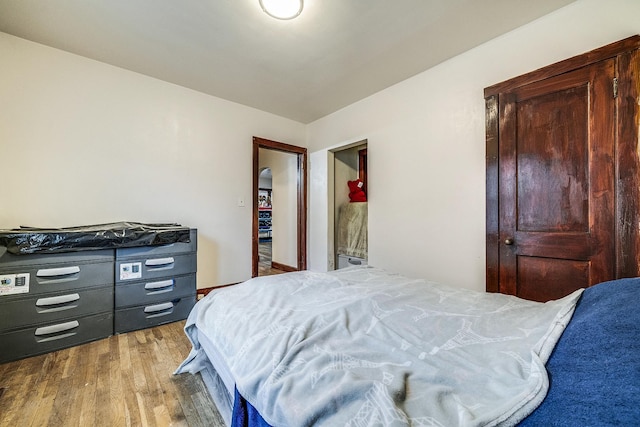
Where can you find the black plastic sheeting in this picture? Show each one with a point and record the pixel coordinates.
(30, 240)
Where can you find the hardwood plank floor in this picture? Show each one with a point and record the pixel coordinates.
(264, 260)
(123, 380)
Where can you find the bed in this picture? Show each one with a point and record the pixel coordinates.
(363, 347)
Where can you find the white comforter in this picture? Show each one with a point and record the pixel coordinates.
(363, 347)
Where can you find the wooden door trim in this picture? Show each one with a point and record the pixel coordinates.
(606, 52)
(628, 165)
(362, 169)
(492, 130)
(301, 239)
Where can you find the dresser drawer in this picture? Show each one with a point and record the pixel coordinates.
(50, 278)
(150, 292)
(137, 269)
(54, 336)
(48, 308)
(159, 251)
(129, 319)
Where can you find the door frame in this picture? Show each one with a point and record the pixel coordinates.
(301, 238)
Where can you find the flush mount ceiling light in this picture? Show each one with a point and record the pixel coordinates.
(282, 9)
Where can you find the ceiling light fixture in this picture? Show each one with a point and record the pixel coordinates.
(282, 9)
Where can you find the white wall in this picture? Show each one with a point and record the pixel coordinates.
(83, 142)
(426, 145)
(320, 212)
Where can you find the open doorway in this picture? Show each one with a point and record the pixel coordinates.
(349, 225)
(265, 219)
(280, 207)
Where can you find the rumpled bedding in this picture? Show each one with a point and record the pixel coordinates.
(362, 347)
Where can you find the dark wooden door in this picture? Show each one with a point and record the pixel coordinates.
(563, 174)
(557, 183)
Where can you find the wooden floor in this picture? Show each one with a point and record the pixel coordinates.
(124, 380)
(264, 260)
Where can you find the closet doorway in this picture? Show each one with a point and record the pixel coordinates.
(349, 222)
(279, 207)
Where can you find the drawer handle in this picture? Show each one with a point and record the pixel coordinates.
(54, 329)
(157, 262)
(159, 285)
(158, 307)
(61, 299)
(54, 272)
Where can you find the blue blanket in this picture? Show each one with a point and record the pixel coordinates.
(595, 368)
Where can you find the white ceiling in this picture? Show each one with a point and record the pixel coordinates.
(335, 53)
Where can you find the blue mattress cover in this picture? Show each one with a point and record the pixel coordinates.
(594, 370)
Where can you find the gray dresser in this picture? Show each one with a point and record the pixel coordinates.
(54, 301)
(154, 284)
(58, 300)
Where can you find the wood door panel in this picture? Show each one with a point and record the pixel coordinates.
(551, 147)
(557, 182)
(543, 279)
(554, 245)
